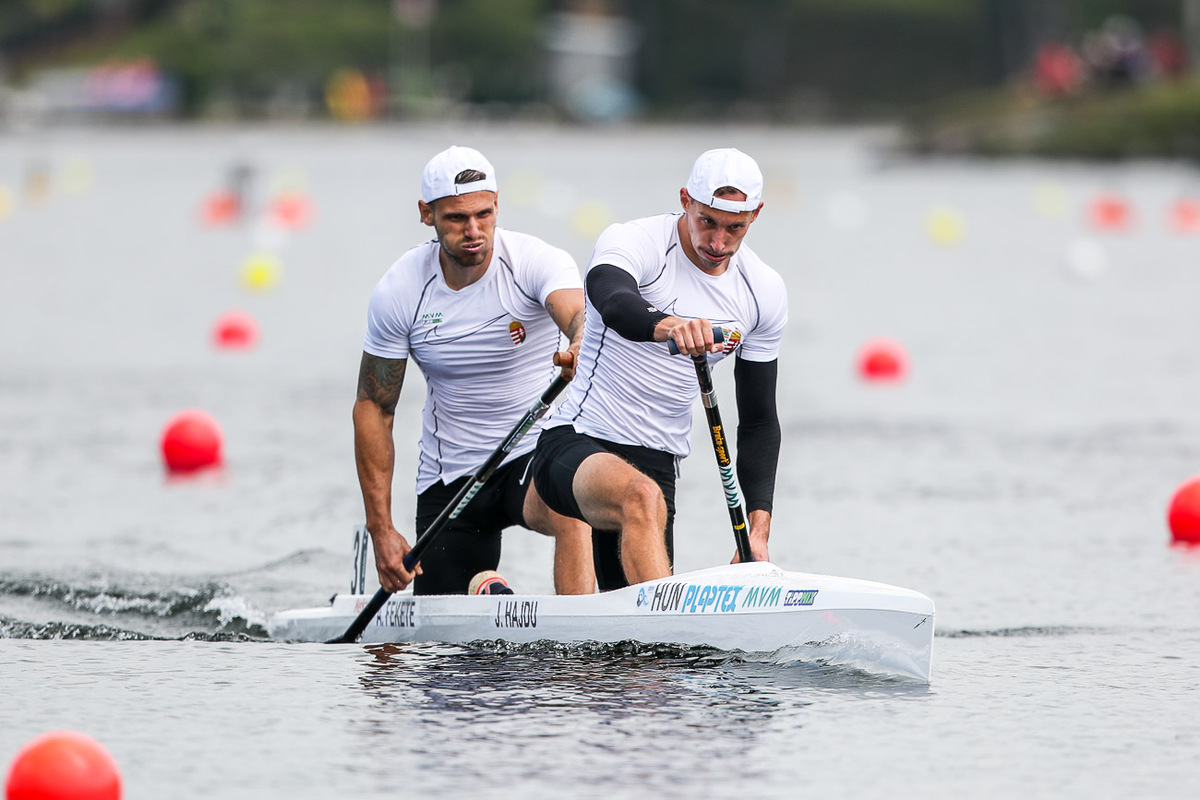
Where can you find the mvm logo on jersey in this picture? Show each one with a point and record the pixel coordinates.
(516, 332)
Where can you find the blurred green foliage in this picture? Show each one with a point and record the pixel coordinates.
(1161, 120)
(768, 60)
(495, 46)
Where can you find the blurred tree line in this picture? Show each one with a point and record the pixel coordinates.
(767, 59)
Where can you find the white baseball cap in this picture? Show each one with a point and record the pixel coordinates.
(437, 181)
(726, 166)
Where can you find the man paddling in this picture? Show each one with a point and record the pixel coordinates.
(480, 309)
(608, 455)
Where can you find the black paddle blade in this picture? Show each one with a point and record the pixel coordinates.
(363, 619)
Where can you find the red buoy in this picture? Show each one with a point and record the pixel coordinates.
(1110, 212)
(235, 330)
(291, 210)
(63, 765)
(220, 208)
(1185, 215)
(1183, 517)
(192, 440)
(882, 360)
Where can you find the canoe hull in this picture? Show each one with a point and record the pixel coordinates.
(754, 608)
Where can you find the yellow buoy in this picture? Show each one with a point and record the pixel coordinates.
(261, 272)
(591, 218)
(77, 176)
(945, 226)
(289, 179)
(1050, 200)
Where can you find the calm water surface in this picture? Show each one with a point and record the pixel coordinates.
(1019, 477)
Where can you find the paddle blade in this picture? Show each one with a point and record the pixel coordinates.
(363, 619)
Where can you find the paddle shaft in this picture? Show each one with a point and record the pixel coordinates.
(737, 515)
(456, 506)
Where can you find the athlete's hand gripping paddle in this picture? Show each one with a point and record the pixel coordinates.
(460, 501)
(737, 516)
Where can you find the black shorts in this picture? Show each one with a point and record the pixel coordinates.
(559, 453)
(470, 543)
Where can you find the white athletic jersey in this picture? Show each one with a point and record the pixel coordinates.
(486, 351)
(636, 392)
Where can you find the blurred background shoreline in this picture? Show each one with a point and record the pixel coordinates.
(1103, 79)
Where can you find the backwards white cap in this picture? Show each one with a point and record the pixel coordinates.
(437, 181)
(723, 167)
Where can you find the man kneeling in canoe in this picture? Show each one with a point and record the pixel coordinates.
(480, 309)
(608, 455)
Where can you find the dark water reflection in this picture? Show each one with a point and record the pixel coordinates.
(613, 714)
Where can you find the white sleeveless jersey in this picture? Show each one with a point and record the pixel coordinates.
(486, 351)
(636, 392)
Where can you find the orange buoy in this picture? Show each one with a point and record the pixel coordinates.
(220, 208)
(1183, 517)
(192, 440)
(1185, 215)
(235, 330)
(1110, 212)
(291, 210)
(63, 765)
(882, 360)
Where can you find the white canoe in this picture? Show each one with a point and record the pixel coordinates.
(754, 608)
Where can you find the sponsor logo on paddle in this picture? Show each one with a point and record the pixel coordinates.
(686, 598)
(516, 332)
(517, 614)
(398, 614)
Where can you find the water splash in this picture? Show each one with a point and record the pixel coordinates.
(208, 608)
(102, 596)
(17, 629)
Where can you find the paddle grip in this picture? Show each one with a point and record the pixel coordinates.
(718, 337)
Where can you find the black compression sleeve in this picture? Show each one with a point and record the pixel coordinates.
(758, 431)
(614, 293)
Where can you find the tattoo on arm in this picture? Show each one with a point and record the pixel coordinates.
(380, 379)
(572, 326)
(574, 330)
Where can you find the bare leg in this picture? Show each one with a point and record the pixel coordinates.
(574, 572)
(615, 496)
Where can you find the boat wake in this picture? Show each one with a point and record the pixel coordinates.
(145, 609)
(1027, 631)
(857, 654)
(16, 629)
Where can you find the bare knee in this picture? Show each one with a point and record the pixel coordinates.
(614, 495)
(643, 504)
(538, 516)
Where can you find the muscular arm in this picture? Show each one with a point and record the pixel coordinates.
(565, 307)
(614, 293)
(379, 383)
(758, 437)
